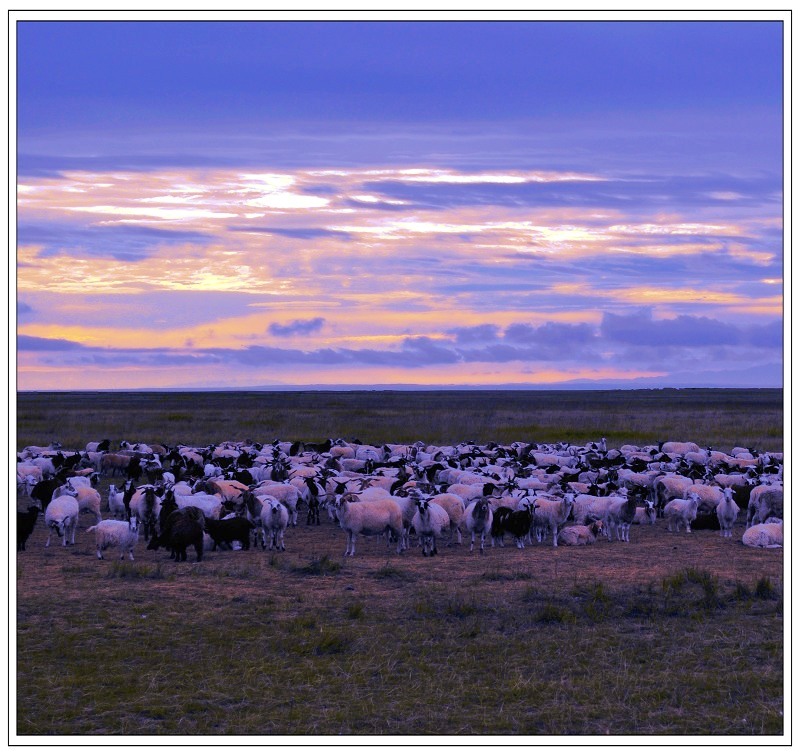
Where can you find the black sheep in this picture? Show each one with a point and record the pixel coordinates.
(181, 530)
(26, 522)
(230, 530)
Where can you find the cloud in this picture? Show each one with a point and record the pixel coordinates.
(475, 334)
(127, 242)
(38, 344)
(683, 331)
(551, 334)
(296, 327)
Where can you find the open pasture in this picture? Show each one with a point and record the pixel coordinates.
(672, 633)
(717, 417)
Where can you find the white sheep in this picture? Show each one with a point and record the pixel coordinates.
(679, 447)
(455, 508)
(369, 518)
(116, 533)
(727, 512)
(429, 522)
(765, 500)
(61, 516)
(209, 504)
(709, 497)
(681, 512)
(764, 535)
(274, 520)
(579, 535)
(588, 507)
(89, 499)
(550, 514)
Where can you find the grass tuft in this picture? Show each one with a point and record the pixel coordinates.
(323, 565)
(134, 571)
(765, 589)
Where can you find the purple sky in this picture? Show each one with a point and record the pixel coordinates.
(219, 204)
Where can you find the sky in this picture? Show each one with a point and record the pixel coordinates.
(455, 203)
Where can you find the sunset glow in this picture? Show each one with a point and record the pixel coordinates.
(320, 225)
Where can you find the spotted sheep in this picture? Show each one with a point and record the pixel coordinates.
(429, 522)
(478, 521)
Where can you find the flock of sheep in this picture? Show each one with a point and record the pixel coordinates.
(235, 494)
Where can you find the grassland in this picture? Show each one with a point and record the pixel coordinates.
(671, 634)
(719, 418)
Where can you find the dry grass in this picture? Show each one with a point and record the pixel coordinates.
(669, 634)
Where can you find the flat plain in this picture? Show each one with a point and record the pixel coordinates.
(670, 634)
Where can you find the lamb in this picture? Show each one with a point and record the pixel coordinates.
(229, 530)
(369, 518)
(580, 535)
(670, 487)
(286, 493)
(549, 514)
(274, 519)
(61, 516)
(764, 535)
(681, 512)
(116, 503)
(119, 533)
(645, 515)
(478, 521)
(727, 512)
(26, 522)
(429, 521)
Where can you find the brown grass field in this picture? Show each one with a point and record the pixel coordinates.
(670, 634)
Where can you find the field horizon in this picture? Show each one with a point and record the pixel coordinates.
(744, 417)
